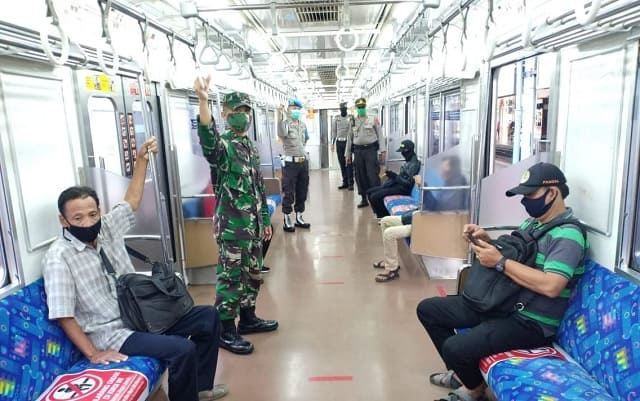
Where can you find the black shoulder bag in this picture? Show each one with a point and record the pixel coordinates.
(150, 303)
(490, 291)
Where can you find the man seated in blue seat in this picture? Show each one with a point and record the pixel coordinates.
(82, 297)
(397, 227)
(558, 265)
(397, 183)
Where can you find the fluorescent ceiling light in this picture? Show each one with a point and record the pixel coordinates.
(327, 33)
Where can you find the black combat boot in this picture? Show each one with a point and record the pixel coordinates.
(250, 323)
(300, 221)
(231, 340)
(363, 202)
(288, 224)
(343, 186)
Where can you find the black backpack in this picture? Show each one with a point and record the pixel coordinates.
(490, 291)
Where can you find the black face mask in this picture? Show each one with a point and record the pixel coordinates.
(343, 112)
(85, 234)
(535, 206)
(407, 155)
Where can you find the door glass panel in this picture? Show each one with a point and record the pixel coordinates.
(420, 129)
(451, 120)
(434, 126)
(104, 134)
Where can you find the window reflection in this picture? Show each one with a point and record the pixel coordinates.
(434, 126)
(451, 120)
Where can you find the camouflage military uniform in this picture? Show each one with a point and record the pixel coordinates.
(240, 218)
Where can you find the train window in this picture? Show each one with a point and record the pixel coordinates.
(451, 120)
(519, 110)
(104, 134)
(420, 128)
(434, 126)
(138, 123)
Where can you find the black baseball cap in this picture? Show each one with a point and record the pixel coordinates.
(540, 175)
(406, 146)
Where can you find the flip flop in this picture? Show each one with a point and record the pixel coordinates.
(446, 380)
(461, 395)
(388, 276)
(379, 265)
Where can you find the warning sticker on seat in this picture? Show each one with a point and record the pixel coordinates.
(487, 363)
(98, 385)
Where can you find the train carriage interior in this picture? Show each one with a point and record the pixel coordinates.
(485, 89)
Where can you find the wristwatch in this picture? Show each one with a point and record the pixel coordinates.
(500, 265)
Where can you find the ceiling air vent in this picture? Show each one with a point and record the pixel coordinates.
(327, 74)
(314, 14)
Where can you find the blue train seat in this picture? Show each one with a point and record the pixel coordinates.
(36, 352)
(597, 355)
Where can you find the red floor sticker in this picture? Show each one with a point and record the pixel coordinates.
(331, 282)
(441, 291)
(331, 378)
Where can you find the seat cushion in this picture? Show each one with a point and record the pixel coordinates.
(34, 349)
(398, 204)
(539, 375)
(272, 203)
(601, 330)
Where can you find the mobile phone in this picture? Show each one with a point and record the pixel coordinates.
(472, 239)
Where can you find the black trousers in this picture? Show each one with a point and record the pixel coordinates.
(295, 185)
(487, 336)
(376, 197)
(345, 169)
(367, 169)
(265, 244)
(189, 349)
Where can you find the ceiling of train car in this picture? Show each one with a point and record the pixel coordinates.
(295, 44)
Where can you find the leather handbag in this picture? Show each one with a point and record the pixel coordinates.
(150, 303)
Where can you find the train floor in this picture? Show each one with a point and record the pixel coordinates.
(342, 336)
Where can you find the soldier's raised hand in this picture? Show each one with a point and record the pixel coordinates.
(201, 87)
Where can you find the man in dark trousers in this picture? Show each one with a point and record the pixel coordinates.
(340, 129)
(397, 183)
(295, 173)
(364, 140)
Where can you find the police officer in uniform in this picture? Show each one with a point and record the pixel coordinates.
(295, 173)
(340, 129)
(364, 140)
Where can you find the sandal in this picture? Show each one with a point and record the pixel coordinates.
(379, 265)
(461, 395)
(388, 276)
(446, 379)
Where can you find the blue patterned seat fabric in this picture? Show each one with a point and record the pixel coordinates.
(600, 332)
(272, 203)
(34, 350)
(398, 204)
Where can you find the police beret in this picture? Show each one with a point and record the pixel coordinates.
(362, 102)
(233, 100)
(343, 105)
(295, 102)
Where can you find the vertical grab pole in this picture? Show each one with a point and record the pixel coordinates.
(154, 173)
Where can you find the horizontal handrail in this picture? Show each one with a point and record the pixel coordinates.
(442, 188)
(149, 237)
(197, 196)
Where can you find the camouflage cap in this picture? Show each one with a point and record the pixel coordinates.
(233, 100)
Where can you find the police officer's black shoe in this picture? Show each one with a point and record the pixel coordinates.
(288, 224)
(231, 340)
(343, 186)
(250, 323)
(350, 188)
(300, 221)
(363, 203)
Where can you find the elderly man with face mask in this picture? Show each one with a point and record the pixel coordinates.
(340, 128)
(557, 268)
(241, 220)
(397, 183)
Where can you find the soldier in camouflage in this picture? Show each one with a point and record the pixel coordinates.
(241, 220)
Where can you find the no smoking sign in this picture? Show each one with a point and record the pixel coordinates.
(98, 385)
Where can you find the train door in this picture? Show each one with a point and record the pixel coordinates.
(192, 202)
(263, 134)
(133, 110)
(395, 135)
(110, 148)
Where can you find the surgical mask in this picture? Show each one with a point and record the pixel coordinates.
(536, 207)
(85, 234)
(343, 112)
(362, 112)
(240, 122)
(295, 114)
